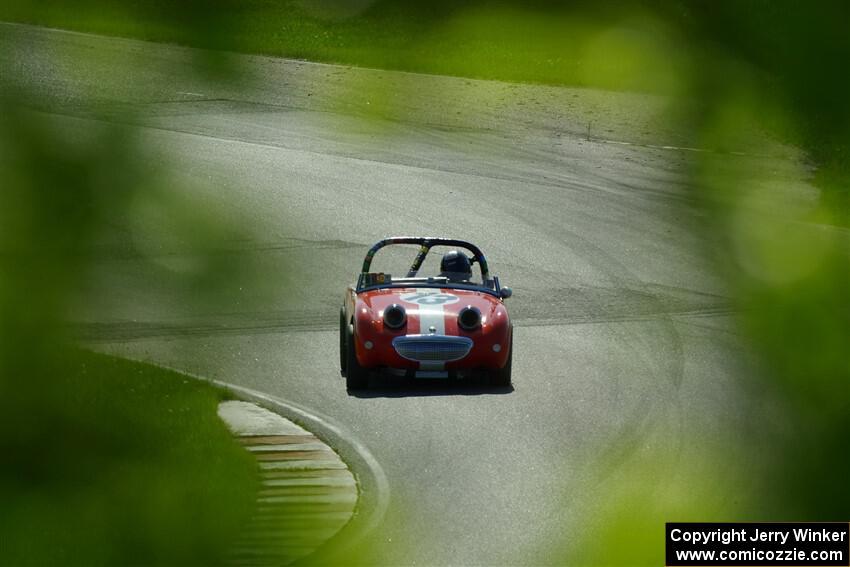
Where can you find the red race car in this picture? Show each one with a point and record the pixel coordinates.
(446, 325)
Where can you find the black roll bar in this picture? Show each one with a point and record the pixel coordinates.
(426, 243)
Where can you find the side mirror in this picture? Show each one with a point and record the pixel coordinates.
(506, 292)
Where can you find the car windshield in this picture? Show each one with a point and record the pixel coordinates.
(391, 265)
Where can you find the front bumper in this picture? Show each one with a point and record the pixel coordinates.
(447, 352)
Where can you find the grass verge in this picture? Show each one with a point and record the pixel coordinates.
(134, 468)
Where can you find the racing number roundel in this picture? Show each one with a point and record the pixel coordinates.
(425, 298)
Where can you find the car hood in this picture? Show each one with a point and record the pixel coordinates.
(433, 310)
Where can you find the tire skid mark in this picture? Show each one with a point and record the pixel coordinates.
(485, 170)
(640, 421)
(106, 253)
(107, 332)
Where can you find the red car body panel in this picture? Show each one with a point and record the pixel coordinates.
(366, 310)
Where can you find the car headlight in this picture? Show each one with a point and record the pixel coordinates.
(469, 318)
(395, 316)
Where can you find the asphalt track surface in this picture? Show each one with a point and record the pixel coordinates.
(622, 329)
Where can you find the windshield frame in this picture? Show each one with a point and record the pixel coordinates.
(443, 285)
(425, 245)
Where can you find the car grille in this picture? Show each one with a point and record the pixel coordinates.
(432, 348)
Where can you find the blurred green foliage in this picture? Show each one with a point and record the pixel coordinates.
(742, 66)
(105, 461)
(117, 463)
(785, 247)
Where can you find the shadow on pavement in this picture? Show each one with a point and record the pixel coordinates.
(401, 387)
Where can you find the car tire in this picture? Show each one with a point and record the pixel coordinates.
(502, 377)
(356, 377)
(343, 329)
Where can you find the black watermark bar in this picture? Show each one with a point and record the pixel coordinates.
(817, 544)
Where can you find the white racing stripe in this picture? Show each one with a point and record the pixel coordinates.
(432, 316)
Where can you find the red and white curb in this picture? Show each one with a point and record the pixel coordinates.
(308, 493)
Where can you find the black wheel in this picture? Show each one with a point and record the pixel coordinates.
(343, 328)
(356, 377)
(502, 377)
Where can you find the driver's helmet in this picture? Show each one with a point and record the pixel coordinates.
(456, 266)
